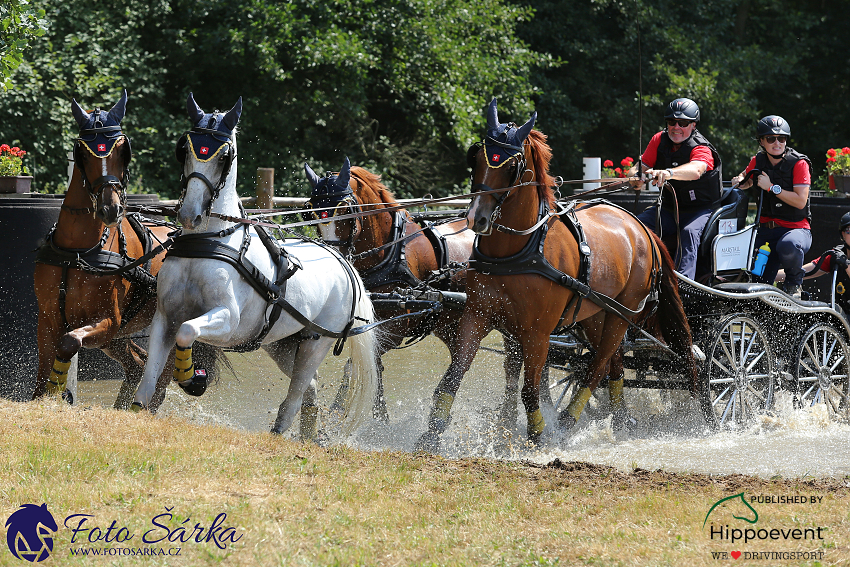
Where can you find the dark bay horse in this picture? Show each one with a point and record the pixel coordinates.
(514, 286)
(79, 305)
(436, 253)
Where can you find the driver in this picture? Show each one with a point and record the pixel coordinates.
(685, 160)
(785, 222)
(834, 259)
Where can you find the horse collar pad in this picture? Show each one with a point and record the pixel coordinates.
(499, 153)
(205, 146)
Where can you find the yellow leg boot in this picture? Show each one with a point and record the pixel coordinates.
(536, 425)
(621, 417)
(58, 376)
(184, 368)
(570, 416)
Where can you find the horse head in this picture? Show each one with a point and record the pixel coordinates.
(331, 196)
(207, 154)
(103, 168)
(499, 161)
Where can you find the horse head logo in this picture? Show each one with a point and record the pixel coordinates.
(740, 496)
(30, 532)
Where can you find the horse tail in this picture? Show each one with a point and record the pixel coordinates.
(363, 352)
(671, 317)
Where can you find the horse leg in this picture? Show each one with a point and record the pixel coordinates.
(69, 345)
(132, 358)
(283, 353)
(216, 325)
(513, 364)
(606, 335)
(160, 350)
(535, 351)
(308, 356)
(616, 396)
(472, 330)
(48, 339)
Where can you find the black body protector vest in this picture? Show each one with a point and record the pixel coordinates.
(782, 174)
(702, 193)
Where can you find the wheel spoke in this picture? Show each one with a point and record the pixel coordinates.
(722, 368)
(755, 360)
(803, 363)
(720, 396)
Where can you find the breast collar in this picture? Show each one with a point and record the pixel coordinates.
(393, 268)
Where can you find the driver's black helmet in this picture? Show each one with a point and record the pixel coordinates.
(845, 222)
(682, 109)
(773, 124)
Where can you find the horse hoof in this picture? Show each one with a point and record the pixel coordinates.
(68, 397)
(566, 420)
(622, 420)
(428, 442)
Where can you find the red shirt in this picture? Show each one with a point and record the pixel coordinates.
(699, 153)
(800, 176)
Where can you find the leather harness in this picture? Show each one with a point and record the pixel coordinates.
(203, 245)
(531, 260)
(98, 261)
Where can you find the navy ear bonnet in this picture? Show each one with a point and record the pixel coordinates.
(100, 130)
(211, 132)
(330, 190)
(504, 141)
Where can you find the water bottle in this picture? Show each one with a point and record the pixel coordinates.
(761, 260)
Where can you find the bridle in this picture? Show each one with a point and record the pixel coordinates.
(184, 144)
(114, 184)
(343, 201)
(517, 158)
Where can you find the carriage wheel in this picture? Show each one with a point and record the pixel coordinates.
(821, 374)
(737, 379)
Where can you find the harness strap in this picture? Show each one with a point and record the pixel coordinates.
(393, 268)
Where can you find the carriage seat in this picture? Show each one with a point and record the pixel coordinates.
(733, 205)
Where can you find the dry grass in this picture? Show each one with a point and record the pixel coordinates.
(296, 504)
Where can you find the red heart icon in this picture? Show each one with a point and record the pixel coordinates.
(736, 554)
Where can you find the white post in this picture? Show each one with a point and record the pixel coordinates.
(70, 167)
(592, 170)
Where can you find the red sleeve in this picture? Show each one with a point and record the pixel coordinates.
(827, 265)
(703, 154)
(801, 173)
(650, 155)
(751, 165)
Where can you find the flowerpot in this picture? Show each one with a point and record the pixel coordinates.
(842, 183)
(831, 182)
(15, 183)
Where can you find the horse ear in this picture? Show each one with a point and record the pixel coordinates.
(344, 177)
(523, 131)
(231, 119)
(492, 116)
(120, 109)
(193, 110)
(81, 116)
(311, 176)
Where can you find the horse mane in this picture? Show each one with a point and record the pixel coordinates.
(373, 181)
(541, 155)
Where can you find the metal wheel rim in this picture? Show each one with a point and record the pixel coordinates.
(740, 371)
(823, 366)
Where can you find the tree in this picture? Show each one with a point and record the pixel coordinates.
(20, 24)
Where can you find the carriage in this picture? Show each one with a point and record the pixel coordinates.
(751, 340)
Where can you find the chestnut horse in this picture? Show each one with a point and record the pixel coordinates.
(436, 254)
(81, 301)
(506, 288)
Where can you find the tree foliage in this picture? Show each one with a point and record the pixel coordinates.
(400, 86)
(20, 24)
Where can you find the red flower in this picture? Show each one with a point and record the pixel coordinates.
(4, 148)
(627, 162)
(608, 163)
(831, 160)
(618, 171)
(831, 152)
(22, 153)
(846, 151)
(16, 149)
